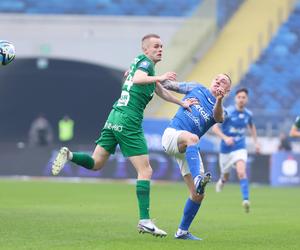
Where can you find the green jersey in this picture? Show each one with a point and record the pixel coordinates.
(135, 97)
(297, 122)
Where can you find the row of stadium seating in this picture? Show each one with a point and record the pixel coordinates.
(178, 8)
(102, 7)
(274, 78)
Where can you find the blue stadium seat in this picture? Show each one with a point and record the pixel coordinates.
(102, 7)
(273, 80)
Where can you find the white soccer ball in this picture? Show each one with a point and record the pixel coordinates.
(7, 52)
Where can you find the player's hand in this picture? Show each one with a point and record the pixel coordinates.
(220, 93)
(229, 140)
(187, 103)
(168, 76)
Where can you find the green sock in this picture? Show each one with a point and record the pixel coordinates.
(83, 160)
(143, 195)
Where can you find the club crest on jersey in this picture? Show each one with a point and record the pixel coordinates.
(144, 64)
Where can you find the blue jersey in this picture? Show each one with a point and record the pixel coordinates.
(235, 125)
(201, 118)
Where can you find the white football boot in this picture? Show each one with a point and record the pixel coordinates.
(60, 160)
(246, 205)
(219, 185)
(148, 226)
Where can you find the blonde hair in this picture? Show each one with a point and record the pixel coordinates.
(147, 37)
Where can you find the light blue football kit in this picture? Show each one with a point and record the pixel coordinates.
(235, 125)
(197, 122)
(201, 118)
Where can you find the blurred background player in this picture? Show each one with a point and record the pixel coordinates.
(180, 140)
(233, 151)
(65, 130)
(40, 132)
(123, 127)
(295, 129)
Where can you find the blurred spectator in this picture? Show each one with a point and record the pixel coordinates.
(41, 132)
(284, 143)
(65, 129)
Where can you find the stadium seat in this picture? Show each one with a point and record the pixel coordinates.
(273, 80)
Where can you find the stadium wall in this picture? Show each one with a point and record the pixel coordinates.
(105, 40)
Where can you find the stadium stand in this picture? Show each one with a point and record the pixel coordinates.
(177, 8)
(240, 42)
(274, 78)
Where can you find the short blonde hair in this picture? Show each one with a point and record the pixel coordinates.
(146, 38)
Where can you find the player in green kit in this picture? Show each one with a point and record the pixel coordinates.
(124, 127)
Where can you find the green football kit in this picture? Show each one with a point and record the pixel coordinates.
(124, 123)
(124, 127)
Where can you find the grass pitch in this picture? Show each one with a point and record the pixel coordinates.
(54, 215)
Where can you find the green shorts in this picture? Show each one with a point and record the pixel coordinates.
(125, 131)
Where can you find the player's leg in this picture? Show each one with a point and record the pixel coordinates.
(94, 162)
(244, 184)
(134, 146)
(187, 142)
(144, 171)
(224, 177)
(106, 145)
(190, 211)
(225, 164)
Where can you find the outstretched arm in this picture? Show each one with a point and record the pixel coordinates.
(167, 96)
(227, 139)
(179, 87)
(142, 77)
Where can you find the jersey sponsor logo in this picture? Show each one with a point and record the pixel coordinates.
(114, 127)
(204, 114)
(234, 130)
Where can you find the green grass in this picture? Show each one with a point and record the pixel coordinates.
(53, 215)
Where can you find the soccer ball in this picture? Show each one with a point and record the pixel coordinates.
(7, 52)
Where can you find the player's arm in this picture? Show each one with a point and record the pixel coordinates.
(294, 132)
(253, 133)
(142, 77)
(167, 96)
(227, 139)
(179, 87)
(218, 108)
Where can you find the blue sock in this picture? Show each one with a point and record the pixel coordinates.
(193, 160)
(190, 210)
(244, 188)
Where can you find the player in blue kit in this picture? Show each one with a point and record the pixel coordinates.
(181, 138)
(233, 151)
